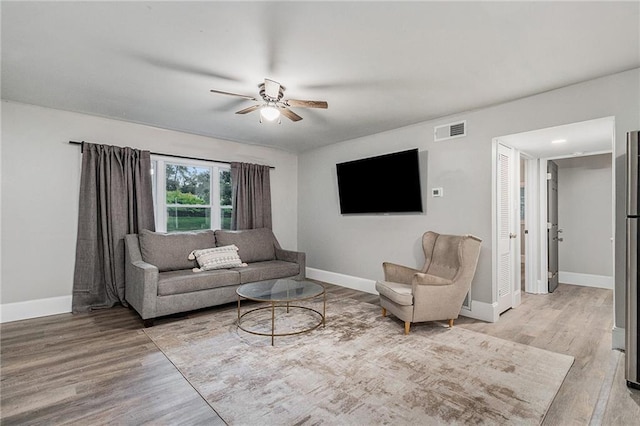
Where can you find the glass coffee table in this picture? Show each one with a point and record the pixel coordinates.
(281, 293)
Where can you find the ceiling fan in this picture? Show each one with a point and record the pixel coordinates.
(272, 105)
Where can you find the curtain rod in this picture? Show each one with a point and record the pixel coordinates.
(175, 156)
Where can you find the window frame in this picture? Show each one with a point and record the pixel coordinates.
(159, 188)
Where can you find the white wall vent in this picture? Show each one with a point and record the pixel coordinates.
(450, 131)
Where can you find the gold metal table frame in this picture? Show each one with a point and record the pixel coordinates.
(281, 303)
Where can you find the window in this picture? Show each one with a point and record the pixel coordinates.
(191, 195)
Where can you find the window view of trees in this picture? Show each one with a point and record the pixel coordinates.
(188, 197)
(188, 185)
(188, 191)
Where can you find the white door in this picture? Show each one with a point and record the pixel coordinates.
(505, 228)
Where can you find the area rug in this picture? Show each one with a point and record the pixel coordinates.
(359, 369)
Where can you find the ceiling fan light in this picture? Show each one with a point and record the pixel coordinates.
(269, 112)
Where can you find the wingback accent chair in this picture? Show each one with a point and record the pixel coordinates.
(437, 291)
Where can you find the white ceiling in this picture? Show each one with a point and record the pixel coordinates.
(379, 65)
(584, 138)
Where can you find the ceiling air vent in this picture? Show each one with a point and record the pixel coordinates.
(450, 131)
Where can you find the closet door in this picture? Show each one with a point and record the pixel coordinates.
(505, 228)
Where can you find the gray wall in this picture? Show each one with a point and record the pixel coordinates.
(357, 245)
(40, 184)
(585, 214)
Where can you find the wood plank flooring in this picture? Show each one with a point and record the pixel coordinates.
(100, 368)
(92, 369)
(573, 320)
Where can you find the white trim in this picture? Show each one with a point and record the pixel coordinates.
(517, 297)
(494, 221)
(586, 280)
(34, 308)
(516, 227)
(613, 232)
(532, 240)
(159, 187)
(355, 283)
(543, 230)
(618, 338)
(481, 311)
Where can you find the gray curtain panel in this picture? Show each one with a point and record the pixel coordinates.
(115, 200)
(251, 196)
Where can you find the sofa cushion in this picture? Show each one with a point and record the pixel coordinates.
(185, 281)
(170, 252)
(216, 258)
(269, 270)
(254, 245)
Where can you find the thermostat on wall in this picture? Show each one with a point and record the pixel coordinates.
(437, 192)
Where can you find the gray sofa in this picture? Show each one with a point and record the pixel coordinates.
(160, 279)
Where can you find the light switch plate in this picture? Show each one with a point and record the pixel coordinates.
(437, 192)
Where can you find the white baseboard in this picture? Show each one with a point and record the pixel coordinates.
(479, 310)
(34, 308)
(618, 338)
(355, 283)
(586, 280)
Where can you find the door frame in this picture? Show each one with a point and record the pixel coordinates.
(536, 220)
(540, 262)
(536, 261)
(536, 223)
(532, 225)
(542, 287)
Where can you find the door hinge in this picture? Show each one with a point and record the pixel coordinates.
(548, 176)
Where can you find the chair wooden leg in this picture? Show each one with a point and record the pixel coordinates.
(384, 312)
(451, 322)
(407, 325)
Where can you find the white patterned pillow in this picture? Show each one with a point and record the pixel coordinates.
(216, 258)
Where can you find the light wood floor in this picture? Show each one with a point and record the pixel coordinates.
(101, 368)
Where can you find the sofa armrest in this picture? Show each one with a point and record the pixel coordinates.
(141, 290)
(398, 273)
(141, 279)
(295, 257)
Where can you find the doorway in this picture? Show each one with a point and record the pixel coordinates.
(533, 150)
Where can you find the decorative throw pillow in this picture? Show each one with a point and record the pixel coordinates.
(216, 258)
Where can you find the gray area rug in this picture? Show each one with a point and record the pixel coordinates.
(359, 369)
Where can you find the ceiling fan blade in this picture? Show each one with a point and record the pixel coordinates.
(307, 104)
(271, 88)
(248, 110)
(290, 114)
(251, 98)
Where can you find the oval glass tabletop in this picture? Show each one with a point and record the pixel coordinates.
(283, 290)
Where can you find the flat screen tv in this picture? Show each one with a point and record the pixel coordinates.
(384, 184)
